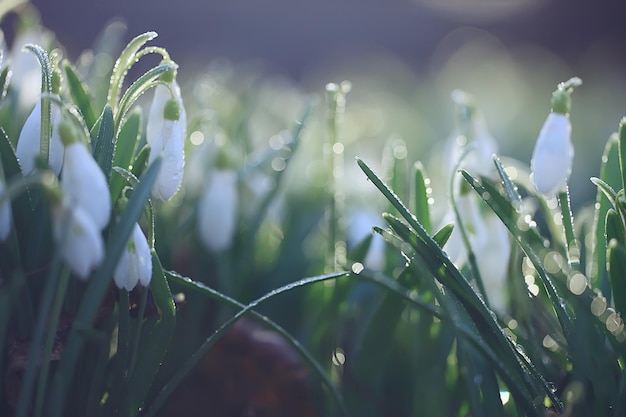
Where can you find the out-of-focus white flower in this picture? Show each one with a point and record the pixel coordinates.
(74, 229)
(551, 163)
(28, 143)
(493, 250)
(218, 210)
(5, 215)
(169, 144)
(85, 185)
(489, 241)
(360, 227)
(135, 263)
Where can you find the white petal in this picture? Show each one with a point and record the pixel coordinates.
(492, 257)
(135, 264)
(552, 158)
(85, 184)
(28, 140)
(81, 243)
(218, 209)
(170, 145)
(5, 216)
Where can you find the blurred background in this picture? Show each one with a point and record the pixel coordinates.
(404, 57)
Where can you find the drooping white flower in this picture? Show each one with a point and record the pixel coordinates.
(85, 185)
(28, 143)
(135, 263)
(155, 116)
(218, 209)
(169, 144)
(79, 238)
(551, 163)
(5, 215)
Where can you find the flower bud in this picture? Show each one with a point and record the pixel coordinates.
(170, 145)
(218, 209)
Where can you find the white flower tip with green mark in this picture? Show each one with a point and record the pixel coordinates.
(551, 163)
(218, 209)
(85, 185)
(82, 247)
(135, 263)
(5, 216)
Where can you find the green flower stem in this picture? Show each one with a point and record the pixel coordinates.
(571, 244)
(55, 315)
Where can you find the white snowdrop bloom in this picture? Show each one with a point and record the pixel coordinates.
(81, 247)
(479, 160)
(551, 163)
(218, 209)
(135, 263)
(28, 142)
(492, 250)
(85, 185)
(5, 216)
(169, 144)
(360, 227)
(155, 116)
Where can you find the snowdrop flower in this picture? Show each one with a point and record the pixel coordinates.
(360, 227)
(81, 247)
(82, 181)
(162, 94)
(28, 146)
(551, 163)
(218, 209)
(168, 143)
(5, 215)
(135, 263)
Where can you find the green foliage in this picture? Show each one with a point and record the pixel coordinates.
(395, 321)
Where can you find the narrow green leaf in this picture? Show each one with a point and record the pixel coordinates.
(94, 294)
(4, 82)
(421, 196)
(442, 236)
(138, 88)
(610, 174)
(606, 189)
(616, 264)
(80, 95)
(614, 227)
(140, 163)
(8, 159)
(622, 150)
(509, 187)
(125, 148)
(46, 89)
(123, 63)
(104, 143)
